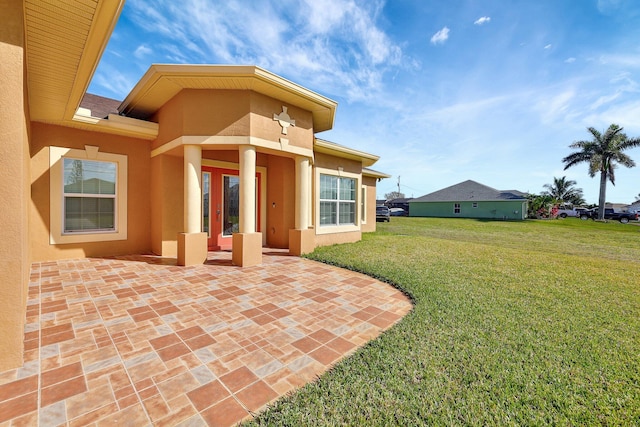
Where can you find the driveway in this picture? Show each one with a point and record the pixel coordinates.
(137, 340)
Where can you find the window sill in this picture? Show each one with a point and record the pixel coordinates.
(332, 229)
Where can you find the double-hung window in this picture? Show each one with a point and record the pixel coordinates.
(456, 208)
(89, 193)
(337, 200)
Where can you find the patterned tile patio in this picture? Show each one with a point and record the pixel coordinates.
(137, 341)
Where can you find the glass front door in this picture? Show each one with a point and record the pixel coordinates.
(230, 205)
(221, 206)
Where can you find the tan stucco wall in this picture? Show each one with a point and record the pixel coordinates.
(204, 112)
(370, 183)
(280, 201)
(334, 163)
(230, 156)
(337, 238)
(14, 191)
(138, 200)
(230, 113)
(167, 189)
(263, 126)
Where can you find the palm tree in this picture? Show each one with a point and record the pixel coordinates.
(564, 191)
(602, 153)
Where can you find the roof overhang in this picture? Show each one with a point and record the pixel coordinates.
(333, 149)
(64, 41)
(163, 81)
(374, 174)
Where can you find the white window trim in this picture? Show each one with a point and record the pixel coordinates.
(56, 196)
(474, 204)
(363, 205)
(329, 229)
(457, 206)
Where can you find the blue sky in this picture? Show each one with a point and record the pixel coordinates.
(443, 91)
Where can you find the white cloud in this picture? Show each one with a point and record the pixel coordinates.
(548, 46)
(142, 51)
(622, 60)
(441, 36)
(554, 106)
(570, 60)
(294, 39)
(482, 20)
(608, 7)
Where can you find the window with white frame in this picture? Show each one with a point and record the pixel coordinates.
(456, 208)
(337, 200)
(474, 204)
(89, 193)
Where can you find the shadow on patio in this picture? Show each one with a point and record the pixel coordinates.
(136, 340)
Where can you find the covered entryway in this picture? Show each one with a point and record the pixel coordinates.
(221, 205)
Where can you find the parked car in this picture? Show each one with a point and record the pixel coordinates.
(397, 212)
(565, 211)
(382, 213)
(609, 213)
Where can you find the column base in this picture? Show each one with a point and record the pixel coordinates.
(247, 249)
(192, 248)
(302, 241)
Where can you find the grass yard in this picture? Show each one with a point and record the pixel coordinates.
(515, 323)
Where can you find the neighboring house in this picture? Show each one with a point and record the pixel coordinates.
(470, 199)
(402, 203)
(195, 158)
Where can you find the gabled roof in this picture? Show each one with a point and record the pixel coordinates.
(470, 191)
(162, 82)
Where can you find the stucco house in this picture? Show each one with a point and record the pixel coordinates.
(470, 199)
(195, 158)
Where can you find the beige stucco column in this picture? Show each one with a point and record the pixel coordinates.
(303, 193)
(247, 244)
(192, 243)
(192, 188)
(302, 239)
(247, 189)
(15, 189)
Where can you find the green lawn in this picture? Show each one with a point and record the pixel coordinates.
(515, 323)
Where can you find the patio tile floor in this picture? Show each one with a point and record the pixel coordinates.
(136, 340)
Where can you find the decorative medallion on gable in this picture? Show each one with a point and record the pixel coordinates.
(284, 120)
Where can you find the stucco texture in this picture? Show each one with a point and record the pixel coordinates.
(138, 200)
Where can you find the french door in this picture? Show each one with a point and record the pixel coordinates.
(221, 207)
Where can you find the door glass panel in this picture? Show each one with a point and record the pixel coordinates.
(231, 205)
(206, 185)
